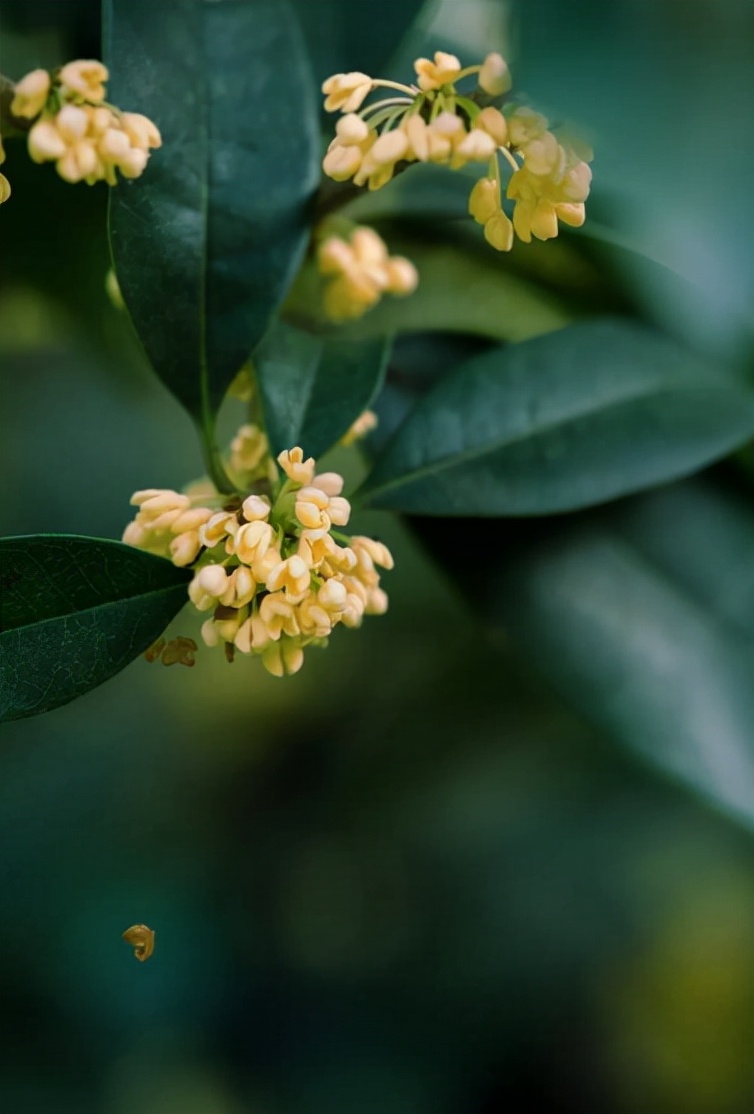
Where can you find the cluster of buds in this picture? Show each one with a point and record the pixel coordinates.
(360, 271)
(275, 571)
(87, 139)
(433, 122)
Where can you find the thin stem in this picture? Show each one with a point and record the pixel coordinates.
(383, 104)
(468, 71)
(509, 157)
(396, 85)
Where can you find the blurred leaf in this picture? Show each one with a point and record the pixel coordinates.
(74, 611)
(459, 292)
(635, 640)
(207, 241)
(313, 390)
(343, 35)
(577, 417)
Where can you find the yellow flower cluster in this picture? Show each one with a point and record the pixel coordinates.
(360, 271)
(433, 122)
(87, 139)
(272, 570)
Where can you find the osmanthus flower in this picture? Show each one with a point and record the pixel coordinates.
(274, 573)
(359, 271)
(434, 121)
(87, 139)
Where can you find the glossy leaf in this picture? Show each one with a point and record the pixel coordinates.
(343, 35)
(206, 242)
(564, 421)
(639, 635)
(312, 390)
(73, 612)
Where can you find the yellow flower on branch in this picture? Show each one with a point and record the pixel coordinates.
(88, 141)
(275, 572)
(436, 122)
(360, 271)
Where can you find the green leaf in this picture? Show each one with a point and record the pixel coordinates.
(577, 417)
(616, 609)
(75, 611)
(312, 390)
(207, 241)
(343, 35)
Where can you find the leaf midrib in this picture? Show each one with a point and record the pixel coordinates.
(466, 456)
(144, 596)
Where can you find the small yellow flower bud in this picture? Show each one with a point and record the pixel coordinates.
(494, 76)
(311, 508)
(100, 119)
(377, 602)
(114, 144)
(252, 541)
(291, 576)
(477, 146)
(185, 549)
(297, 469)
(79, 162)
(45, 142)
(377, 551)
(208, 586)
(484, 200)
(351, 129)
(403, 277)
(248, 449)
(283, 659)
(339, 510)
(417, 134)
(240, 590)
(363, 425)
(389, 148)
(132, 164)
(433, 74)
(544, 156)
(329, 482)
(191, 519)
(217, 528)
(30, 94)
(491, 121)
(141, 131)
(277, 613)
(154, 501)
(346, 91)
(72, 123)
(368, 247)
(524, 125)
(498, 231)
(256, 508)
(85, 79)
(341, 163)
(4, 189)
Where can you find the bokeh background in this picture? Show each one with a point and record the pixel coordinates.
(411, 879)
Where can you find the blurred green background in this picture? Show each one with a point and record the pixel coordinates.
(409, 880)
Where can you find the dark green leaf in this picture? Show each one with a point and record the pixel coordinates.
(73, 612)
(630, 627)
(313, 390)
(343, 35)
(207, 240)
(564, 421)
